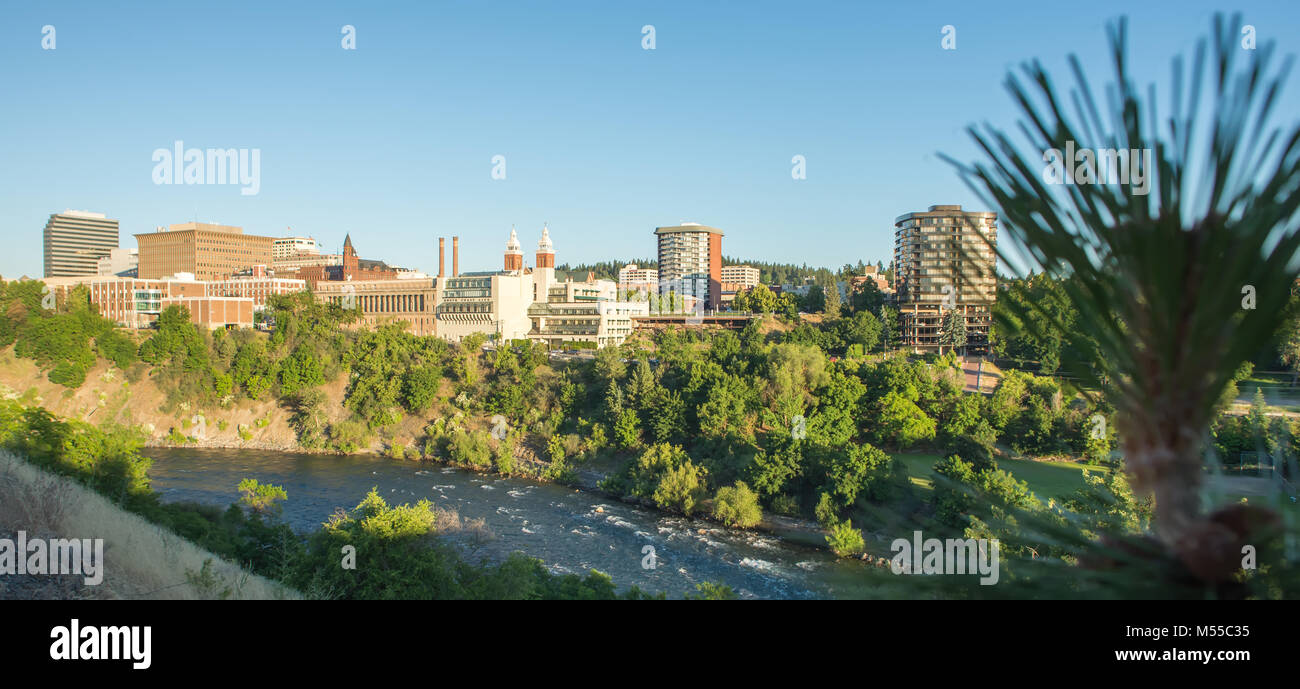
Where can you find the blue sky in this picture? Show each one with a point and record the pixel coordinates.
(603, 140)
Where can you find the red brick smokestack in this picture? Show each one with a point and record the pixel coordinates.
(442, 255)
(455, 256)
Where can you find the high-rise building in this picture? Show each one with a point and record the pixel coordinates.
(210, 252)
(944, 260)
(76, 240)
(690, 263)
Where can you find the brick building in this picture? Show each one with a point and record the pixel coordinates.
(207, 251)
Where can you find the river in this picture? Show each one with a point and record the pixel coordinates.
(570, 531)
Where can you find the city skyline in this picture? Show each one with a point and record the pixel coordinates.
(602, 139)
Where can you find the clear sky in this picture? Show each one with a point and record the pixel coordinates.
(393, 141)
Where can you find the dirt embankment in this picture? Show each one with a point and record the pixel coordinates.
(133, 398)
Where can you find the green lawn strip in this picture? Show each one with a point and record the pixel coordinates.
(1045, 479)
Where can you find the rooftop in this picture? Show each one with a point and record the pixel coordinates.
(688, 227)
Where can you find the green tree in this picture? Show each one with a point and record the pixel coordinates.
(952, 330)
(901, 422)
(300, 370)
(609, 366)
(420, 386)
(953, 490)
(117, 347)
(852, 471)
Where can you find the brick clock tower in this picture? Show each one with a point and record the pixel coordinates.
(350, 262)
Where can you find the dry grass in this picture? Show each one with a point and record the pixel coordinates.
(141, 560)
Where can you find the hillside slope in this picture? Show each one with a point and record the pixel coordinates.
(141, 560)
(108, 395)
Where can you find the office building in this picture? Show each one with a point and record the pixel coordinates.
(690, 263)
(75, 241)
(119, 263)
(944, 260)
(643, 281)
(210, 252)
(286, 247)
(744, 277)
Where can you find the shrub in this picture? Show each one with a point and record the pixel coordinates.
(708, 590)
(349, 436)
(844, 540)
(68, 374)
(681, 487)
(260, 497)
(505, 457)
(470, 447)
(737, 505)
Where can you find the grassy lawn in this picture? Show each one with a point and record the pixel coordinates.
(1045, 479)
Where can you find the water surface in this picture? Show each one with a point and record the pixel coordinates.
(570, 531)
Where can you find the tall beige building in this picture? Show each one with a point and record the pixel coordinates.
(210, 252)
(943, 262)
(76, 240)
(690, 262)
